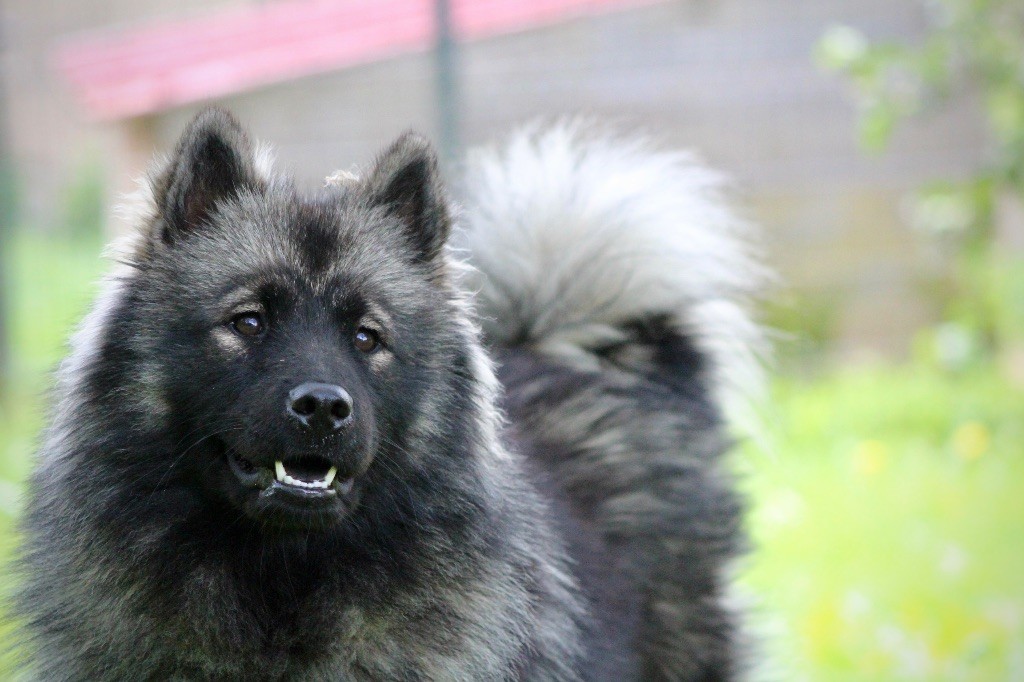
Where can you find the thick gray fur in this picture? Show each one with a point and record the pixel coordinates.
(615, 286)
(553, 506)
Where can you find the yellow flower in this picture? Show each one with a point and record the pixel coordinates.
(870, 457)
(971, 440)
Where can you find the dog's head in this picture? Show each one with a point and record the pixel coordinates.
(294, 343)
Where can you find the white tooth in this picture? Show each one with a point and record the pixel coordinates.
(329, 478)
(279, 468)
(303, 484)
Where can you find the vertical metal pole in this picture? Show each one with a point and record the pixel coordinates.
(447, 83)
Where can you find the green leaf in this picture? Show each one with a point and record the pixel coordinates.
(876, 126)
(840, 48)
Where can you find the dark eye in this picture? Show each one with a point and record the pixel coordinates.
(248, 324)
(366, 340)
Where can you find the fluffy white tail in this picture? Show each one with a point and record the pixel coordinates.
(575, 233)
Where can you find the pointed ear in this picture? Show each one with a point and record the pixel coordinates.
(213, 161)
(406, 182)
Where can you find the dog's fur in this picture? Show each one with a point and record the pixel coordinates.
(563, 518)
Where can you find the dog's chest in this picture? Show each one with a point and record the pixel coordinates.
(275, 632)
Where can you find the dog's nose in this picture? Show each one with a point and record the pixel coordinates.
(323, 408)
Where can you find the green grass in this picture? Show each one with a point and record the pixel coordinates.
(887, 502)
(48, 284)
(888, 517)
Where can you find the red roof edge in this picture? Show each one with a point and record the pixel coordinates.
(144, 70)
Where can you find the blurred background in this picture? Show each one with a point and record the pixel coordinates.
(879, 144)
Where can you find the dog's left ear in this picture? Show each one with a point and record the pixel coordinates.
(407, 183)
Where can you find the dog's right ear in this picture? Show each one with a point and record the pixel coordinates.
(213, 161)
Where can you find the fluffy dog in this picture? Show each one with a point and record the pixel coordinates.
(303, 437)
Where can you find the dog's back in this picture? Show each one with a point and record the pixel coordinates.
(612, 285)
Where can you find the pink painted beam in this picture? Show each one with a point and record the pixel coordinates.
(148, 69)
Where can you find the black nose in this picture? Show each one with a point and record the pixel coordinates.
(324, 408)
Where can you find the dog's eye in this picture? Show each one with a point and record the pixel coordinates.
(248, 324)
(366, 340)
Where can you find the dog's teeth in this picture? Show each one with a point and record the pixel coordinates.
(303, 484)
(289, 480)
(284, 477)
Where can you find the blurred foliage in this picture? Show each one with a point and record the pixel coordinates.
(805, 325)
(84, 200)
(909, 510)
(8, 213)
(973, 46)
(973, 50)
(49, 283)
(887, 538)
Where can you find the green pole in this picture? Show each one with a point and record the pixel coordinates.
(447, 83)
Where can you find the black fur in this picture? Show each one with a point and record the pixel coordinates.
(592, 551)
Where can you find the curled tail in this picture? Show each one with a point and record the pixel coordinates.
(613, 285)
(580, 238)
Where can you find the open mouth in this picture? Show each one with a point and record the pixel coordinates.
(309, 476)
(314, 473)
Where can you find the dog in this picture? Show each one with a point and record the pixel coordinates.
(359, 435)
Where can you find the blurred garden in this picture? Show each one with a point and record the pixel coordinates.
(888, 498)
(886, 494)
